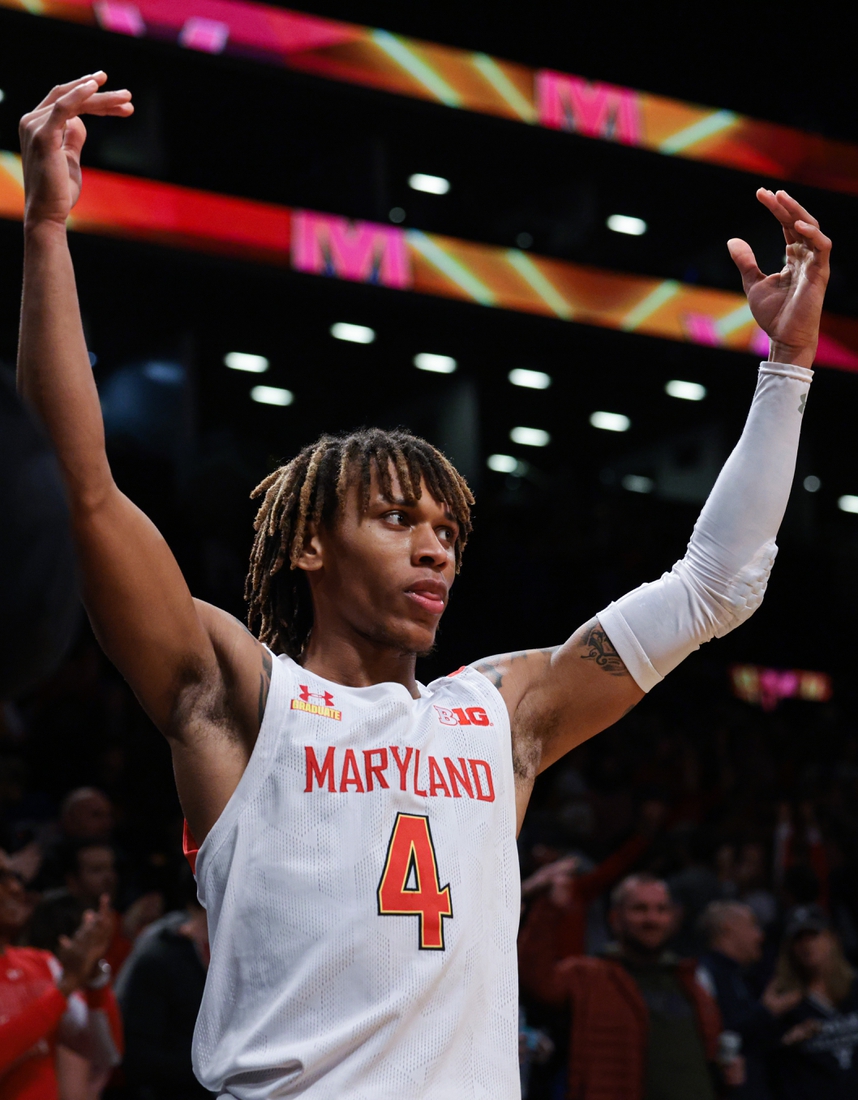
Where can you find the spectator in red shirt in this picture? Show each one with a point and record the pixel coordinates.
(643, 1028)
(50, 1000)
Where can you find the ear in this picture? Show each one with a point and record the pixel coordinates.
(312, 556)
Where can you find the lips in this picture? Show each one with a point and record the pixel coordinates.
(431, 596)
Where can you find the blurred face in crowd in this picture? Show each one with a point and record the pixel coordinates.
(751, 868)
(741, 937)
(95, 875)
(645, 918)
(14, 909)
(87, 815)
(812, 951)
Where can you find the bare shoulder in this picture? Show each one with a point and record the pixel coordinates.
(244, 662)
(235, 704)
(511, 673)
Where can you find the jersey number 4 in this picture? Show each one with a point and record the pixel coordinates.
(409, 883)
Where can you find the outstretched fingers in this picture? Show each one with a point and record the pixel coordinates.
(795, 209)
(774, 205)
(62, 89)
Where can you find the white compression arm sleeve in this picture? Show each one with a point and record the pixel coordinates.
(722, 578)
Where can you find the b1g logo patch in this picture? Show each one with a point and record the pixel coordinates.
(462, 716)
(317, 702)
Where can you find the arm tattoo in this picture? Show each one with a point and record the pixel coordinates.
(264, 683)
(600, 650)
(492, 673)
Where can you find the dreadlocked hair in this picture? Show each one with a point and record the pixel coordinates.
(308, 491)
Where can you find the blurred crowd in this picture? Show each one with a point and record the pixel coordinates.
(689, 902)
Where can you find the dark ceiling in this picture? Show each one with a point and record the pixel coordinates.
(551, 546)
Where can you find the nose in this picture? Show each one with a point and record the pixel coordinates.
(427, 547)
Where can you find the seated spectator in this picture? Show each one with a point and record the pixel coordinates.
(160, 990)
(643, 1028)
(52, 1000)
(735, 942)
(86, 814)
(818, 1055)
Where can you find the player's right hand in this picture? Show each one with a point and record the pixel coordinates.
(52, 138)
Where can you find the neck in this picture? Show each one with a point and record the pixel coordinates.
(641, 956)
(340, 654)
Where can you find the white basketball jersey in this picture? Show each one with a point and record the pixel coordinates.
(362, 889)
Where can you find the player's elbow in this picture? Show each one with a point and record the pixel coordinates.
(724, 603)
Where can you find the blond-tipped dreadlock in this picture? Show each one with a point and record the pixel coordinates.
(308, 491)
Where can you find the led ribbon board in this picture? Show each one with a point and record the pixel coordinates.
(767, 687)
(408, 259)
(471, 81)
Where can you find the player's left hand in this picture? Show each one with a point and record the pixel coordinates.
(788, 306)
(52, 138)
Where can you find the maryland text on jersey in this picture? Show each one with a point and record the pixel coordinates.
(340, 772)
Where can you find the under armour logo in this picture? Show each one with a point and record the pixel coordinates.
(325, 698)
(802, 404)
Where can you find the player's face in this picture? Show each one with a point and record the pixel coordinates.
(386, 573)
(646, 916)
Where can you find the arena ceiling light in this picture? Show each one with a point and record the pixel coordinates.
(812, 483)
(637, 483)
(271, 395)
(622, 223)
(440, 364)
(848, 504)
(686, 391)
(356, 334)
(530, 379)
(243, 360)
(530, 437)
(610, 422)
(432, 185)
(504, 464)
(2, 95)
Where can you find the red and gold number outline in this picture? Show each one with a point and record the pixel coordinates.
(411, 847)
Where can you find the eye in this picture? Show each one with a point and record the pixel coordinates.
(446, 533)
(397, 517)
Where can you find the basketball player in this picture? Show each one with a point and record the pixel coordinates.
(357, 830)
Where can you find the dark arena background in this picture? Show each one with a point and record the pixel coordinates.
(502, 227)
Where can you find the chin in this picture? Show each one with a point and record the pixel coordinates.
(409, 639)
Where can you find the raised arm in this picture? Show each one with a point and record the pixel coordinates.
(194, 669)
(559, 697)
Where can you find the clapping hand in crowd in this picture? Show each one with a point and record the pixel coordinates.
(81, 954)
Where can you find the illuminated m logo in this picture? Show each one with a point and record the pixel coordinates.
(361, 251)
(595, 110)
